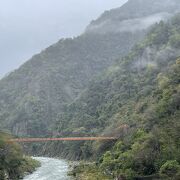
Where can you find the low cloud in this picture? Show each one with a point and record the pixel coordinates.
(130, 25)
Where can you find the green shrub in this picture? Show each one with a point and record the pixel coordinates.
(170, 169)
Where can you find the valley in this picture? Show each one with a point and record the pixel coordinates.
(109, 99)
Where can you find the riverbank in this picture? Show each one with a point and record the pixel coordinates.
(87, 171)
(13, 164)
(28, 166)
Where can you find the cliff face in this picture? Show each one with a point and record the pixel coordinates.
(33, 95)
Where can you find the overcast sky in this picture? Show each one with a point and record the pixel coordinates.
(28, 26)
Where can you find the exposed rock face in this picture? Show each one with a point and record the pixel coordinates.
(32, 96)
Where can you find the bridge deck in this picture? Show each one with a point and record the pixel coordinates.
(62, 139)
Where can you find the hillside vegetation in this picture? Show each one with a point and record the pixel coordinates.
(138, 100)
(93, 85)
(13, 165)
(32, 96)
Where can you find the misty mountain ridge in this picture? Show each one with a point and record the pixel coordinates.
(137, 100)
(138, 13)
(120, 78)
(129, 25)
(33, 95)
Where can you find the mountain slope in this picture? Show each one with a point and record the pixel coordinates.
(42, 86)
(78, 87)
(134, 15)
(123, 85)
(137, 100)
(32, 96)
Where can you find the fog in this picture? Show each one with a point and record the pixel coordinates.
(130, 25)
(28, 26)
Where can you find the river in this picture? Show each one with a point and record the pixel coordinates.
(51, 169)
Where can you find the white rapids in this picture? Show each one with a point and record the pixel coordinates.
(51, 169)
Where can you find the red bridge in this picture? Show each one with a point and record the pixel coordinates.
(62, 139)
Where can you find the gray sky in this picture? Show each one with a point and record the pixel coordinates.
(28, 26)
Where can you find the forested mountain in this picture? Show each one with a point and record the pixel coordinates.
(137, 100)
(32, 96)
(95, 84)
(134, 15)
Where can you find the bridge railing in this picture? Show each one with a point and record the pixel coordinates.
(62, 139)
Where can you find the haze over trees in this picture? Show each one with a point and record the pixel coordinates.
(143, 94)
(120, 78)
(27, 27)
(33, 95)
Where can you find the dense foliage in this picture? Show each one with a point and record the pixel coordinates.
(32, 96)
(13, 164)
(137, 100)
(76, 88)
